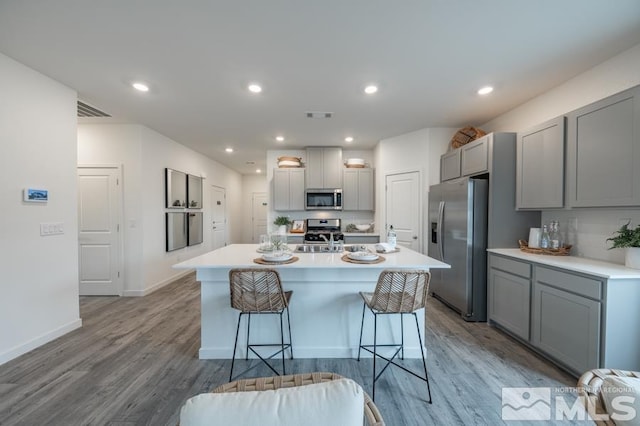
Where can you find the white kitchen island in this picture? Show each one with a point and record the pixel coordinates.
(325, 308)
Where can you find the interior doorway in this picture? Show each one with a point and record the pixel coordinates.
(403, 208)
(218, 217)
(100, 260)
(259, 207)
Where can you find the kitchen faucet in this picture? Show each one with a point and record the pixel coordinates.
(329, 241)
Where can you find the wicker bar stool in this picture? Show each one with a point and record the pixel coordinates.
(259, 291)
(398, 292)
(590, 389)
(371, 413)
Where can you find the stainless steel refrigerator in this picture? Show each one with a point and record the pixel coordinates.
(458, 224)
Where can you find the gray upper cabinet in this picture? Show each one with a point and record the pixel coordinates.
(288, 189)
(474, 156)
(357, 189)
(603, 155)
(540, 166)
(450, 165)
(324, 167)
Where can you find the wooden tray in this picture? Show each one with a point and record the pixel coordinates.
(563, 251)
(261, 261)
(346, 258)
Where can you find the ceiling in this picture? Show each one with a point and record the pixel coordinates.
(428, 57)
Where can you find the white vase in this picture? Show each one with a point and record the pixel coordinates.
(632, 257)
(282, 229)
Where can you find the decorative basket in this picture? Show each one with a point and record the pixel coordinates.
(562, 251)
(466, 135)
(284, 162)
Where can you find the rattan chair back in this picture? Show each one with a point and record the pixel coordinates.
(256, 290)
(400, 291)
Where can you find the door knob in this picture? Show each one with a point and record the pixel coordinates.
(415, 237)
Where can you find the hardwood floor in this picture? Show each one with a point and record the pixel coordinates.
(134, 362)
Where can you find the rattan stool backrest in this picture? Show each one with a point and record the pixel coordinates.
(256, 290)
(401, 291)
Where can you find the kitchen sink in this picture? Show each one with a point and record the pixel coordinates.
(317, 248)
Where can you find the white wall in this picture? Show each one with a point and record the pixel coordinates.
(39, 274)
(144, 155)
(416, 151)
(593, 226)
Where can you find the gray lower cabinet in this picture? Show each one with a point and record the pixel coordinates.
(578, 320)
(603, 152)
(361, 239)
(295, 239)
(288, 189)
(509, 305)
(450, 165)
(540, 166)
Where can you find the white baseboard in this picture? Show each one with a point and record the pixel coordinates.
(39, 341)
(157, 286)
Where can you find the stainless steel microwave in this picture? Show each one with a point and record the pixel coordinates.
(323, 199)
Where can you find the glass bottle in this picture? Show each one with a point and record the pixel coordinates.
(391, 237)
(554, 235)
(544, 238)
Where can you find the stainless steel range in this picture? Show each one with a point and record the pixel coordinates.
(319, 228)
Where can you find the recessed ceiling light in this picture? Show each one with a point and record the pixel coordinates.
(258, 171)
(140, 86)
(348, 139)
(485, 90)
(280, 138)
(254, 88)
(370, 89)
(229, 149)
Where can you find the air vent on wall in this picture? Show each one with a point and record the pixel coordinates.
(85, 110)
(319, 114)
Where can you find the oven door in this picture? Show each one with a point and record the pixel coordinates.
(323, 200)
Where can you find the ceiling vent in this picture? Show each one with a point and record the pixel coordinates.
(319, 114)
(85, 110)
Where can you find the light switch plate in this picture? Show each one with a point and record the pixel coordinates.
(51, 228)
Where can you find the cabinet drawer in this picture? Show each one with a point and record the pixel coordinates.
(587, 287)
(515, 267)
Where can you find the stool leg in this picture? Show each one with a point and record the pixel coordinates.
(402, 336)
(248, 328)
(282, 344)
(290, 341)
(235, 346)
(361, 326)
(375, 354)
(424, 362)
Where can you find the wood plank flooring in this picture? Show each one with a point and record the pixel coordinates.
(134, 362)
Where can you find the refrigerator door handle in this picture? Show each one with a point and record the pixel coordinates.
(439, 230)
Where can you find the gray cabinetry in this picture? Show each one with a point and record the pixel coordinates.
(474, 156)
(288, 189)
(324, 168)
(450, 165)
(540, 166)
(295, 239)
(510, 294)
(357, 189)
(361, 239)
(603, 155)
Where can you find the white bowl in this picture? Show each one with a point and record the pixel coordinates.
(363, 227)
(356, 161)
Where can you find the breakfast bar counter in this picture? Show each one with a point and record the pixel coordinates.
(325, 308)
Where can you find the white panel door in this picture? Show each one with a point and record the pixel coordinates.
(259, 215)
(218, 217)
(99, 217)
(403, 208)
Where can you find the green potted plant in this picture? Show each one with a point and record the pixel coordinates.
(282, 222)
(629, 239)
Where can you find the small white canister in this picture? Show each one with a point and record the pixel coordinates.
(534, 238)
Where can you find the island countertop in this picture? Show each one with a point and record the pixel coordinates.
(326, 308)
(242, 255)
